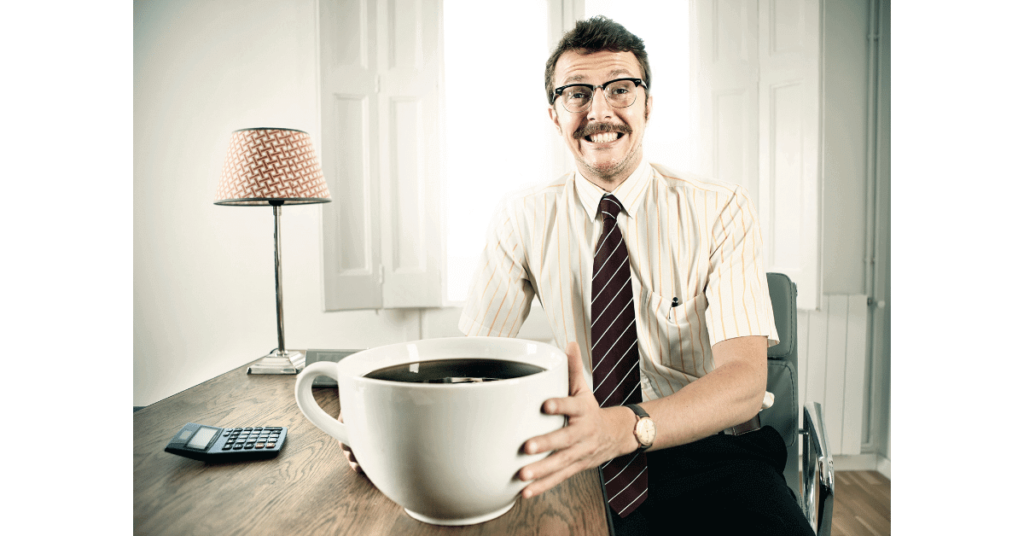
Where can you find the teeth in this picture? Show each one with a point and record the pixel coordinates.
(604, 137)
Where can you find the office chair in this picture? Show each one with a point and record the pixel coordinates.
(815, 490)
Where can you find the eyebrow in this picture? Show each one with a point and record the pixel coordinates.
(613, 74)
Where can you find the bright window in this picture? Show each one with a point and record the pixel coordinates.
(497, 122)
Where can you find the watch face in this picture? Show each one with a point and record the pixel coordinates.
(645, 432)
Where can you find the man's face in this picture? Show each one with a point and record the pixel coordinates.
(606, 141)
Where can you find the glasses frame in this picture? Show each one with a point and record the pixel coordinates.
(639, 82)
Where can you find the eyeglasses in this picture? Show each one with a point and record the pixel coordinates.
(620, 93)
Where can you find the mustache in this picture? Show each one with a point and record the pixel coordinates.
(597, 128)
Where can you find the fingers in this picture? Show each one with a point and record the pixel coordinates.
(577, 376)
(571, 406)
(351, 458)
(548, 473)
(572, 349)
(559, 439)
(540, 486)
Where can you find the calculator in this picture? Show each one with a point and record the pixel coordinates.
(212, 445)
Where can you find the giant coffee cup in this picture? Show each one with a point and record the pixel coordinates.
(438, 425)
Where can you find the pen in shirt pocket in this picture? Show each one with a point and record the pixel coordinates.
(675, 303)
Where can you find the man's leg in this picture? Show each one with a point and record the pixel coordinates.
(723, 485)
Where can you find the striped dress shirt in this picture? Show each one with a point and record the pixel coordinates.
(688, 238)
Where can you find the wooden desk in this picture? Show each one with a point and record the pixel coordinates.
(308, 488)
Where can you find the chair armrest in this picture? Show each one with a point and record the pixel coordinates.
(818, 482)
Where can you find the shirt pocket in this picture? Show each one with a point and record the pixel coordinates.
(677, 336)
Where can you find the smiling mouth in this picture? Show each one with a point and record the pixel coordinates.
(602, 132)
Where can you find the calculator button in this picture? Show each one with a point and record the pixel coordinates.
(248, 446)
(227, 447)
(271, 445)
(258, 428)
(260, 445)
(238, 446)
(247, 428)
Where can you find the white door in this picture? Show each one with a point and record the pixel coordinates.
(755, 94)
(380, 92)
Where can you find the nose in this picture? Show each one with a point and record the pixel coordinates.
(600, 108)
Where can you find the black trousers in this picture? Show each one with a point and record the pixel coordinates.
(718, 485)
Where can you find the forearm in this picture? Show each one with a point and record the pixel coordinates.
(727, 396)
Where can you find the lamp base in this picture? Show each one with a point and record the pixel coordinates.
(290, 362)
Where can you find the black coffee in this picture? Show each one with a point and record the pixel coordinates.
(466, 370)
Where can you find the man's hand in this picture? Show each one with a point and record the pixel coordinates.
(351, 458)
(592, 437)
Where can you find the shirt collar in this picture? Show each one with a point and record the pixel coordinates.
(629, 193)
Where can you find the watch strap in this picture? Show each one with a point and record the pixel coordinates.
(638, 410)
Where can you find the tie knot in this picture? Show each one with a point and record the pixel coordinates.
(610, 206)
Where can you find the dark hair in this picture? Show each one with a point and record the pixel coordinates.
(594, 35)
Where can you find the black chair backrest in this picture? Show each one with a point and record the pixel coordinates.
(782, 373)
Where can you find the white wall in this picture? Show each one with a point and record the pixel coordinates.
(203, 274)
(844, 69)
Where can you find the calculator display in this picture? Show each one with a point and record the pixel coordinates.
(202, 438)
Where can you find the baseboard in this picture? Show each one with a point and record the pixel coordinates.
(855, 462)
(885, 467)
(863, 462)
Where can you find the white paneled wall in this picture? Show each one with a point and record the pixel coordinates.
(832, 349)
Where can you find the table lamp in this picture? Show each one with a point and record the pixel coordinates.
(273, 166)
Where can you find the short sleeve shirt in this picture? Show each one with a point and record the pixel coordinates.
(691, 241)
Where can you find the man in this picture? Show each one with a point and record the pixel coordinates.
(654, 281)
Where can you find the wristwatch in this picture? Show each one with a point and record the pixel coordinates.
(644, 430)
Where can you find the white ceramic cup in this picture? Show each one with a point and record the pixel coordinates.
(447, 453)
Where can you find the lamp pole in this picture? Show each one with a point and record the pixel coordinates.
(279, 282)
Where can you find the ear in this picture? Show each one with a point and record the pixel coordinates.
(650, 106)
(553, 114)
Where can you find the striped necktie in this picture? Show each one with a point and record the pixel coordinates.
(615, 354)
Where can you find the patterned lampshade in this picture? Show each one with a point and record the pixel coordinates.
(268, 166)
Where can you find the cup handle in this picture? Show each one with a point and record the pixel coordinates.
(309, 407)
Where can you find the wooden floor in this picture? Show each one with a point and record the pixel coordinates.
(862, 504)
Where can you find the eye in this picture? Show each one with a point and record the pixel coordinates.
(622, 87)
